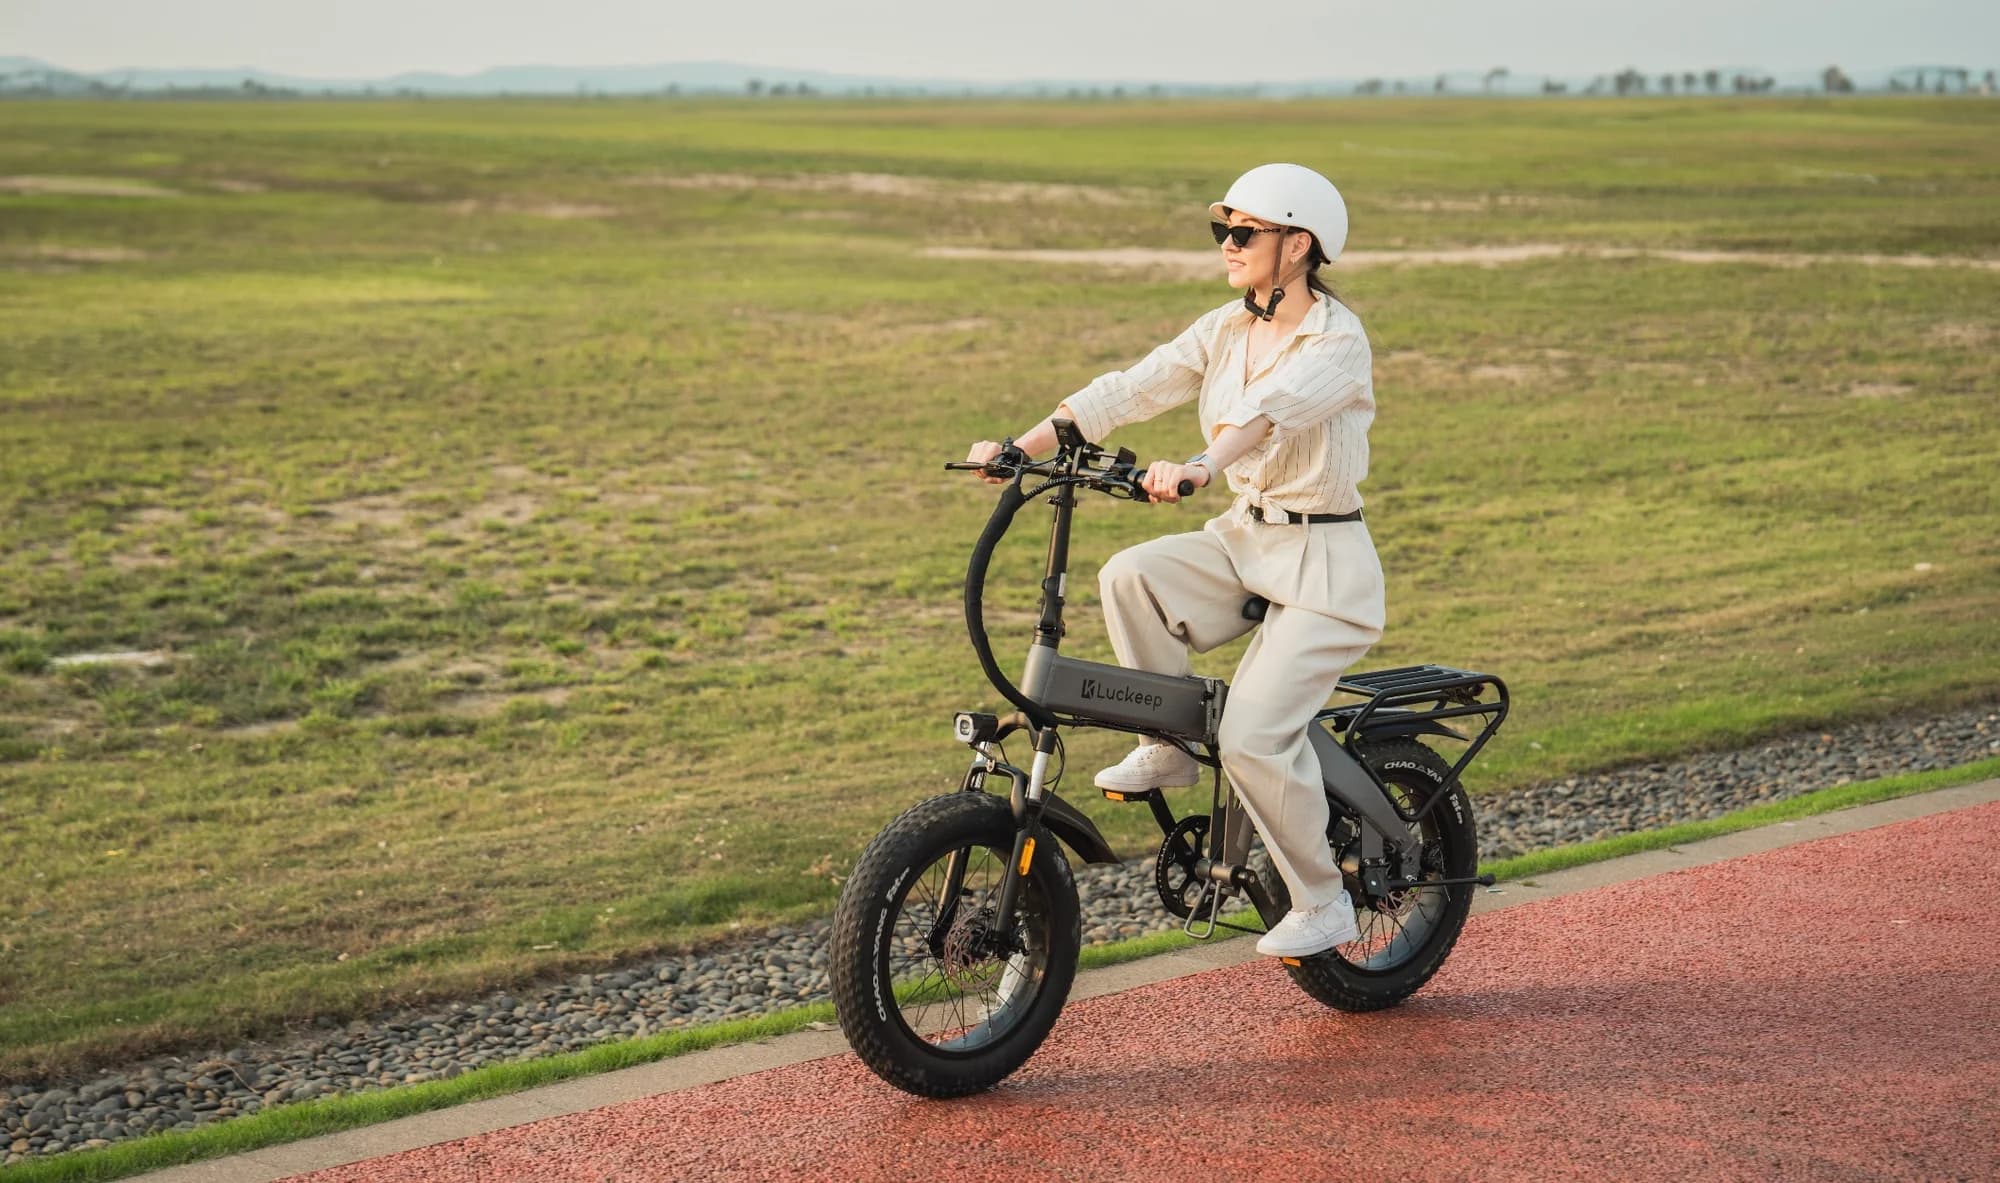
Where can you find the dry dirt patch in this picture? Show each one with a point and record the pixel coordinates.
(159, 516)
(1131, 258)
(392, 513)
(260, 730)
(134, 659)
(1202, 263)
(1482, 203)
(149, 561)
(897, 185)
(1207, 262)
(512, 508)
(78, 254)
(1411, 366)
(963, 324)
(1791, 259)
(47, 728)
(382, 513)
(1513, 374)
(481, 704)
(560, 211)
(84, 187)
(1965, 333)
(1827, 174)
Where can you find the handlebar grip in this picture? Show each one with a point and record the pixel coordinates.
(1185, 489)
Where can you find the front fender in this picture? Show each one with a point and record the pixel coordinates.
(1077, 831)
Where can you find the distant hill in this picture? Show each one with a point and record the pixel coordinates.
(19, 73)
(23, 75)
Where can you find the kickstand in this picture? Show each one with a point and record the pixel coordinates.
(1218, 844)
(1214, 911)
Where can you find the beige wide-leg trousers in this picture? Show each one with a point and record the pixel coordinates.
(1184, 591)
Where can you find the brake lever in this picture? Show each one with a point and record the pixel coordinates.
(1011, 462)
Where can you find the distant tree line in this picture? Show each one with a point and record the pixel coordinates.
(1914, 78)
(1629, 81)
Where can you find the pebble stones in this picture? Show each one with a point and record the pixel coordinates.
(788, 966)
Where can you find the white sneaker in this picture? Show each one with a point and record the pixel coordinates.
(1314, 931)
(1151, 766)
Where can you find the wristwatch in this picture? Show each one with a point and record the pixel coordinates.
(1201, 458)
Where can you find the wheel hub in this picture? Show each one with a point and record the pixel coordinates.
(970, 957)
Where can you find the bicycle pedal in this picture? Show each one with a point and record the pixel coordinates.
(1129, 794)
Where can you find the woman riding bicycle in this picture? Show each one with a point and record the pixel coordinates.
(1285, 401)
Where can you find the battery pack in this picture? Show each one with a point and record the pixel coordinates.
(1190, 708)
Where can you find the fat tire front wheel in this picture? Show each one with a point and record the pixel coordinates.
(928, 1000)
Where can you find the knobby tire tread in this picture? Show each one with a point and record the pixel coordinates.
(914, 840)
(1330, 980)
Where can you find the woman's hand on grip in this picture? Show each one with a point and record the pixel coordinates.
(1163, 479)
(982, 453)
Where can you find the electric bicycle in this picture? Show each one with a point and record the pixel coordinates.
(955, 941)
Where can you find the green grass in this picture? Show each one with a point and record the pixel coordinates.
(289, 1123)
(545, 592)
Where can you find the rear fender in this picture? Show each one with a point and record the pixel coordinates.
(1391, 728)
(1384, 724)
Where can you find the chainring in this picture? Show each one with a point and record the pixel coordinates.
(1181, 890)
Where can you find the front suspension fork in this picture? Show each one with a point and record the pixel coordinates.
(1026, 799)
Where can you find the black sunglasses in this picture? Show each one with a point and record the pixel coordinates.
(1240, 235)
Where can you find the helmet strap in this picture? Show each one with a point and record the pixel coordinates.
(1266, 312)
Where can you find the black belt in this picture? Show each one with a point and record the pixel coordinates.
(1293, 519)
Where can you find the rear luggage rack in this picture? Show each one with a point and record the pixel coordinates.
(1419, 698)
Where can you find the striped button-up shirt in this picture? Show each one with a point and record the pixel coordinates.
(1314, 388)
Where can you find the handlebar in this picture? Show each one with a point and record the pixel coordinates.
(1117, 478)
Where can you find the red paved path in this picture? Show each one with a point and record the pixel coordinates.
(1824, 1011)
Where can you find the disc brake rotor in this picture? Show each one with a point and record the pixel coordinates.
(968, 965)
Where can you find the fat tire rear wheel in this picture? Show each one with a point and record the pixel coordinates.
(1413, 773)
(887, 978)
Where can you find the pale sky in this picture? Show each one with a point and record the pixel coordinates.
(1165, 40)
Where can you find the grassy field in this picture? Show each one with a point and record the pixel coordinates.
(539, 505)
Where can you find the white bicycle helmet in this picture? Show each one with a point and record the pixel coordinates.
(1290, 195)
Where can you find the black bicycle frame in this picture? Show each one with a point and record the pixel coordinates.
(1391, 709)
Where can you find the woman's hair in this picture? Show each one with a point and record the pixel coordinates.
(1315, 259)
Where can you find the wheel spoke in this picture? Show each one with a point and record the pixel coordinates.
(1391, 937)
(959, 998)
